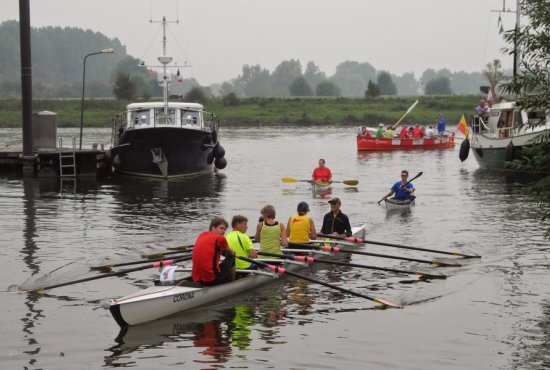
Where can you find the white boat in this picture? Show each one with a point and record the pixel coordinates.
(165, 139)
(502, 137)
(393, 204)
(160, 301)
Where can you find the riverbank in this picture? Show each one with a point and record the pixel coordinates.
(264, 111)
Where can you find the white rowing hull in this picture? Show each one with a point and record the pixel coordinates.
(160, 301)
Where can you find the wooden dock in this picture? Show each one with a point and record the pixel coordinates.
(61, 162)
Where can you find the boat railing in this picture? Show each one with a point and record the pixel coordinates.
(478, 124)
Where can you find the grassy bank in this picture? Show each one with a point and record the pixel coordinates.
(265, 111)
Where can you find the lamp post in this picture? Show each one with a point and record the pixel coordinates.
(104, 51)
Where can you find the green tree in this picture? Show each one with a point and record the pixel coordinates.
(300, 87)
(493, 74)
(196, 95)
(438, 86)
(313, 75)
(283, 75)
(532, 85)
(386, 84)
(327, 88)
(352, 77)
(372, 90)
(124, 88)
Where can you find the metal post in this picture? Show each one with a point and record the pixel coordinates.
(104, 51)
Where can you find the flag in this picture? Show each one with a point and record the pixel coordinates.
(463, 126)
(179, 77)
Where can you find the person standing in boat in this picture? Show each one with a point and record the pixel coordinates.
(322, 173)
(403, 189)
(269, 232)
(482, 110)
(209, 247)
(336, 222)
(441, 123)
(241, 243)
(301, 228)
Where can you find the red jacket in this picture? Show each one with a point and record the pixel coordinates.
(206, 256)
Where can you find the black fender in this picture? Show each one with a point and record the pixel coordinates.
(464, 150)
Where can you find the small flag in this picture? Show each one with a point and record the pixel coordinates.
(463, 126)
(179, 77)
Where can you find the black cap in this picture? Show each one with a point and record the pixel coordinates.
(334, 200)
(303, 207)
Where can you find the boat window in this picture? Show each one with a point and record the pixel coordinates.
(535, 117)
(140, 117)
(167, 118)
(190, 118)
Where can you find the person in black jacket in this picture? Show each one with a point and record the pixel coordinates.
(335, 222)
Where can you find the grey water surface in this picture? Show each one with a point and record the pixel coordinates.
(492, 312)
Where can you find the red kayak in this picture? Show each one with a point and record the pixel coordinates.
(437, 142)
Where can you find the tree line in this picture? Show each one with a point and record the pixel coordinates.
(57, 58)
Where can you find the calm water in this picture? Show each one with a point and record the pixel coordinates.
(489, 313)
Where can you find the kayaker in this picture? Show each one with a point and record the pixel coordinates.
(322, 173)
(209, 247)
(402, 189)
(301, 228)
(336, 222)
(269, 232)
(241, 243)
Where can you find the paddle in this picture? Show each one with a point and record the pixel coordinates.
(405, 184)
(403, 116)
(109, 267)
(346, 182)
(281, 270)
(307, 259)
(337, 249)
(364, 241)
(179, 249)
(113, 273)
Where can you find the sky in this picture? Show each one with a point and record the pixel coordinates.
(218, 37)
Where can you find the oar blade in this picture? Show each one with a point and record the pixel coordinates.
(441, 262)
(289, 179)
(104, 268)
(351, 182)
(430, 275)
(387, 303)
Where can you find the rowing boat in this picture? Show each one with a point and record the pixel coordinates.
(163, 300)
(393, 204)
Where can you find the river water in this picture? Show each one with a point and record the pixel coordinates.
(492, 312)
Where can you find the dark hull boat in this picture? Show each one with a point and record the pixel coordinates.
(165, 139)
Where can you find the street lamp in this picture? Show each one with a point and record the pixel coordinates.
(104, 51)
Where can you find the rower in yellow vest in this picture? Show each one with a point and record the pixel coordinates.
(300, 227)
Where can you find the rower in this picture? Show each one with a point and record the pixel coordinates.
(241, 243)
(300, 227)
(209, 247)
(336, 222)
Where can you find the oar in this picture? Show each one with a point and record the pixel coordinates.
(114, 273)
(437, 263)
(403, 116)
(346, 182)
(109, 267)
(405, 184)
(424, 275)
(281, 270)
(178, 249)
(364, 241)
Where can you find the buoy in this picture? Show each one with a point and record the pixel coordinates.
(464, 150)
(220, 163)
(509, 154)
(218, 151)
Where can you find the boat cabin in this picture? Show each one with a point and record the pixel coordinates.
(148, 115)
(503, 119)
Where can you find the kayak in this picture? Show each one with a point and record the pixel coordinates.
(393, 204)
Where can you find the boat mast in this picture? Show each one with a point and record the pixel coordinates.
(164, 60)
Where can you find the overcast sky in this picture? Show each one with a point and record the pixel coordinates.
(217, 37)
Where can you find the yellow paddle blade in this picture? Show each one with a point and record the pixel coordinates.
(289, 179)
(351, 182)
(387, 303)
